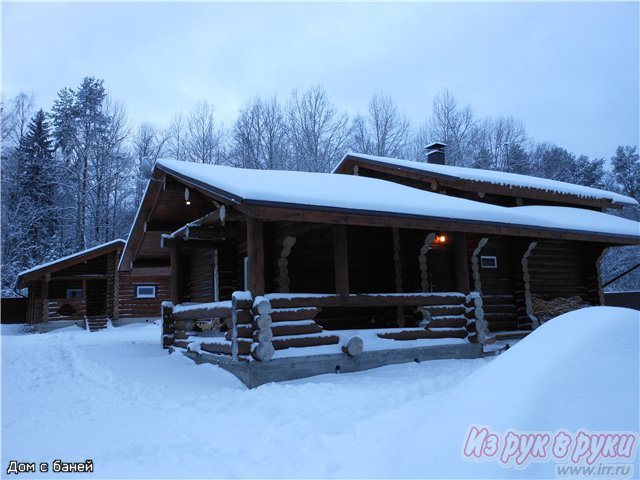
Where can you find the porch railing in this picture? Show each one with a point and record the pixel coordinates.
(257, 327)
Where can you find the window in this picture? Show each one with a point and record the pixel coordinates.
(145, 291)
(74, 293)
(489, 262)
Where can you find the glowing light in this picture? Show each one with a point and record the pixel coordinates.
(441, 238)
(188, 202)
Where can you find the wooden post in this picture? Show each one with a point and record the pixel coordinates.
(255, 256)
(475, 265)
(168, 328)
(462, 267)
(535, 323)
(341, 260)
(176, 274)
(45, 298)
(282, 279)
(599, 275)
(422, 261)
(116, 286)
(397, 268)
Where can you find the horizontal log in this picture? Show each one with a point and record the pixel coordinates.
(437, 310)
(427, 333)
(181, 343)
(496, 299)
(451, 322)
(290, 329)
(305, 341)
(244, 348)
(499, 308)
(184, 324)
(302, 313)
(366, 300)
(244, 331)
(201, 311)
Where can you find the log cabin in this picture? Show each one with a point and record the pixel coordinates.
(85, 289)
(278, 275)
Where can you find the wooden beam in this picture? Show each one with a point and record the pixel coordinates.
(45, 298)
(192, 243)
(462, 266)
(255, 255)
(526, 278)
(338, 216)
(116, 286)
(176, 275)
(341, 260)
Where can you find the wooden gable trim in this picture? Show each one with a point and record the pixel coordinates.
(476, 186)
(22, 281)
(154, 187)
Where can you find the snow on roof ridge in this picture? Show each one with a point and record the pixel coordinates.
(494, 176)
(350, 192)
(69, 257)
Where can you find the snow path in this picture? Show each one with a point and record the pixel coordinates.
(117, 398)
(107, 396)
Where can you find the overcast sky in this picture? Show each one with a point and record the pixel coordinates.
(569, 71)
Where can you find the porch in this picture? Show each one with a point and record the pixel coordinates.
(276, 336)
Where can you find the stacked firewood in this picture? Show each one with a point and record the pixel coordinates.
(547, 309)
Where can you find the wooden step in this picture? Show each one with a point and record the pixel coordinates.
(97, 323)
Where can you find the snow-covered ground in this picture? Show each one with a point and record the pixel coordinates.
(117, 398)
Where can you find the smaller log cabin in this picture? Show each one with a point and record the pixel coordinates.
(86, 289)
(278, 275)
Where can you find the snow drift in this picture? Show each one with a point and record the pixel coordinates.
(579, 370)
(116, 397)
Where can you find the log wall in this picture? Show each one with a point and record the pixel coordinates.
(131, 307)
(559, 269)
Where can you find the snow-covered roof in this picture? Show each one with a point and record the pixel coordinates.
(69, 259)
(365, 195)
(495, 178)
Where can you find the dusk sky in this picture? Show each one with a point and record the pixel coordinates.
(569, 71)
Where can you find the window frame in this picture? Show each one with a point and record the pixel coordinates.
(489, 257)
(69, 290)
(142, 295)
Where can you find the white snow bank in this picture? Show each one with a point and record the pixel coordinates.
(118, 398)
(373, 195)
(500, 178)
(577, 371)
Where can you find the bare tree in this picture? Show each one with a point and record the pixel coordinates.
(496, 139)
(454, 126)
(318, 134)
(260, 136)
(148, 145)
(385, 132)
(176, 138)
(203, 137)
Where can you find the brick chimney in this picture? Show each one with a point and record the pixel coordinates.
(435, 153)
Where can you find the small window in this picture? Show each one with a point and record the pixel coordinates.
(145, 291)
(74, 293)
(489, 262)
